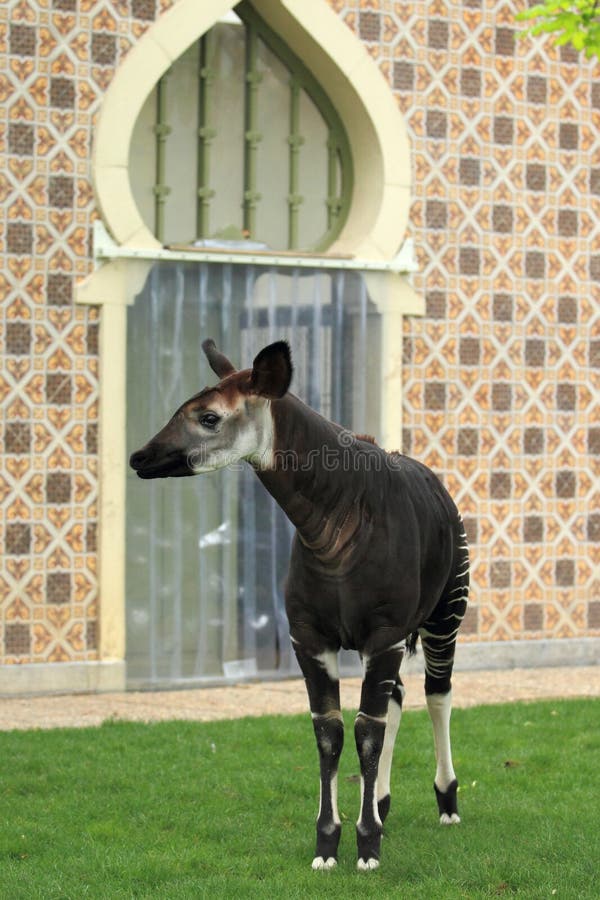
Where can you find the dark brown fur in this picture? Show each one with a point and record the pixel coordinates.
(379, 557)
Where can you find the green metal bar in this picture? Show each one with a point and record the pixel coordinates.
(252, 136)
(340, 180)
(161, 130)
(295, 141)
(334, 201)
(206, 135)
(309, 83)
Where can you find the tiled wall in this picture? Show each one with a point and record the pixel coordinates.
(501, 376)
(56, 60)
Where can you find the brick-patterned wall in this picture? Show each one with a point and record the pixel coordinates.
(501, 376)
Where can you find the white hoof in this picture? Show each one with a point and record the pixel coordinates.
(453, 819)
(320, 863)
(366, 865)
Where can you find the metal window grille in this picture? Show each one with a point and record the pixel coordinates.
(261, 165)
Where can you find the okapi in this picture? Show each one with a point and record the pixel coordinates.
(379, 559)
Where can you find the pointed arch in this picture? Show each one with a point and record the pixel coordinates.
(379, 145)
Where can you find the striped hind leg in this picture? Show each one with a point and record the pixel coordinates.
(380, 673)
(438, 638)
(439, 655)
(445, 783)
(389, 739)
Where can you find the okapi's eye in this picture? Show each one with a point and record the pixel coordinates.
(209, 420)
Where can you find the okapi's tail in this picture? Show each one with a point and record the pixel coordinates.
(411, 643)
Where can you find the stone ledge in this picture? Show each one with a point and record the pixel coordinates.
(527, 654)
(52, 678)
(110, 675)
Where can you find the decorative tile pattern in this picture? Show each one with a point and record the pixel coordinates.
(502, 376)
(57, 57)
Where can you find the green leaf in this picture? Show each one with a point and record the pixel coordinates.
(569, 21)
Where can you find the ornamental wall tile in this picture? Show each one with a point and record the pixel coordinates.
(506, 168)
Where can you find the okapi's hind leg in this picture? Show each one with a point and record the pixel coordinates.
(438, 638)
(438, 694)
(389, 740)
(381, 673)
(323, 687)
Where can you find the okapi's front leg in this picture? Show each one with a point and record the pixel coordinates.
(323, 686)
(381, 671)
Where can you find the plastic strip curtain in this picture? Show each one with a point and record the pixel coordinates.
(207, 556)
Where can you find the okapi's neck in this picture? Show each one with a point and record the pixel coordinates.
(307, 480)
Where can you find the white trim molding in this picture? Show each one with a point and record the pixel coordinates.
(375, 126)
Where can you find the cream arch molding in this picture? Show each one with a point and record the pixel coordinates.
(373, 231)
(376, 131)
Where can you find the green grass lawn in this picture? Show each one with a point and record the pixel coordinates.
(186, 810)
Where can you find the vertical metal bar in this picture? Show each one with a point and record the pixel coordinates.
(161, 131)
(203, 298)
(360, 361)
(226, 308)
(249, 505)
(230, 645)
(337, 349)
(203, 580)
(153, 555)
(252, 136)
(177, 524)
(276, 515)
(326, 332)
(272, 300)
(206, 134)
(249, 298)
(295, 294)
(317, 324)
(334, 202)
(295, 141)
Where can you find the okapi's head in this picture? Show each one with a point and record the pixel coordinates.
(221, 424)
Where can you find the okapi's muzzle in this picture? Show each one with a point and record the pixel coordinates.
(153, 462)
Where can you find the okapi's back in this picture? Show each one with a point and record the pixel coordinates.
(424, 487)
(429, 525)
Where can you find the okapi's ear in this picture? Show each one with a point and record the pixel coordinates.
(216, 360)
(272, 371)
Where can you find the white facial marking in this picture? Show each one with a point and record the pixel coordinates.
(250, 424)
(262, 455)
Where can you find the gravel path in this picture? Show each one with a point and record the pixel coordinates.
(280, 697)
